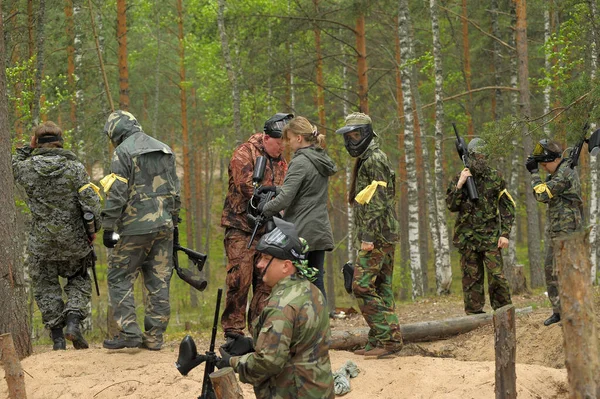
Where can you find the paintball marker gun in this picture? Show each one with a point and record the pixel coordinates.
(90, 229)
(254, 216)
(189, 358)
(196, 257)
(463, 153)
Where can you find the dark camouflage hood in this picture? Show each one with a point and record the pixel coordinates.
(52, 162)
(120, 125)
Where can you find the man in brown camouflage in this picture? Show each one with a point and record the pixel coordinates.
(290, 358)
(142, 206)
(562, 192)
(482, 230)
(241, 261)
(58, 192)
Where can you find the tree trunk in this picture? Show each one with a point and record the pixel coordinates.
(505, 344)
(231, 73)
(533, 232)
(225, 384)
(39, 69)
(101, 62)
(577, 314)
(443, 269)
(402, 175)
(157, 70)
(13, 372)
(361, 63)
(413, 197)
(13, 298)
(122, 55)
(467, 67)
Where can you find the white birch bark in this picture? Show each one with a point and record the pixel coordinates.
(409, 144)
(547, 64)
(443, 269)
(231, 72)
(348, 168)
(157, 71)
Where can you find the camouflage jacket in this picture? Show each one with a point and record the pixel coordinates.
(58, 193)
(292, 345)
(562, 192)
(144, 195)
(241, 168)
(376, 220)
(481, 223)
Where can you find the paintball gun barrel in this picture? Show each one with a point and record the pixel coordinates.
(463, 153)
(90, 229)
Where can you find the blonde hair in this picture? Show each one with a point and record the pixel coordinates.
(48, 128)
(302, 127)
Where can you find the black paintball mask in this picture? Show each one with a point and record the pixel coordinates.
(542, 152)
(356, 145)
(274, 125)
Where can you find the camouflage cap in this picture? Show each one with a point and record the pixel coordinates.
(477, 146)
(354, 121)
(118, 124)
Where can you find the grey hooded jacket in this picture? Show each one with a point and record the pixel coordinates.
(303, 197)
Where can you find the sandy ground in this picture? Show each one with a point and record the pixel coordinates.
(461, 367)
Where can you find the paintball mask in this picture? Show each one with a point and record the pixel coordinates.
(283, 243)
(274, 125)
(543, 153)
(358, 133)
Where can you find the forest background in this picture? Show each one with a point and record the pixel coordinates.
(203, 75)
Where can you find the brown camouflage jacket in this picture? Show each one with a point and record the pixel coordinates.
(291, 358)
(562, 192)
(241, 168)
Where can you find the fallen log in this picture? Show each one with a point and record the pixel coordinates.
(417, 332)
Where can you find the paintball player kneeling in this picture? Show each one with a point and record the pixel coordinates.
(291, 356)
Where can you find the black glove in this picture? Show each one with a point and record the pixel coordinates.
(266, 189)
(237, 344)
(108, 239)
(531, 164)
(261, 205)
(223, 361)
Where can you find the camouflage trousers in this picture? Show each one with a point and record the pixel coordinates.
(372, 286)
(473, 263)
(152, 254)
(48, 292)
(551, 275)
(241, 273)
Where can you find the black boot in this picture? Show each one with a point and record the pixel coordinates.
(73, 333)
(555, 318)
(120, 342)
(58, 338)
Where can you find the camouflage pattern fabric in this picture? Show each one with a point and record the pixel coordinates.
(479, 225)
(241, 273)
(473, 263)
(48, 292)
(241, 168)
(241, 262)
(144, 195)
(52, 179)
(562, 192)
(151, 254)
(292, 345)
(372, 287)
(376, 220)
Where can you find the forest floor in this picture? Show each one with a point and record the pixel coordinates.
(460, 367)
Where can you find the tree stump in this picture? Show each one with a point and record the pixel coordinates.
(577, 314)
(225, 384)
(12, 368)
(505, 344)
(516, 278)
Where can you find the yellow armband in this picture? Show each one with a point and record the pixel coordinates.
(92, 186)
(542, 188)
(367, 193)
(505, 192)
(108, 180)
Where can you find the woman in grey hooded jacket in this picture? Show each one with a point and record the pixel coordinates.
(304, 193)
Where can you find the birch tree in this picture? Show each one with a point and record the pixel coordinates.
(122, 55)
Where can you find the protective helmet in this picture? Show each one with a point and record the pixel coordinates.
(546, 151)
(357, 122)
(120, 125)
(476, 146)
(283, 243)
(274, 125)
